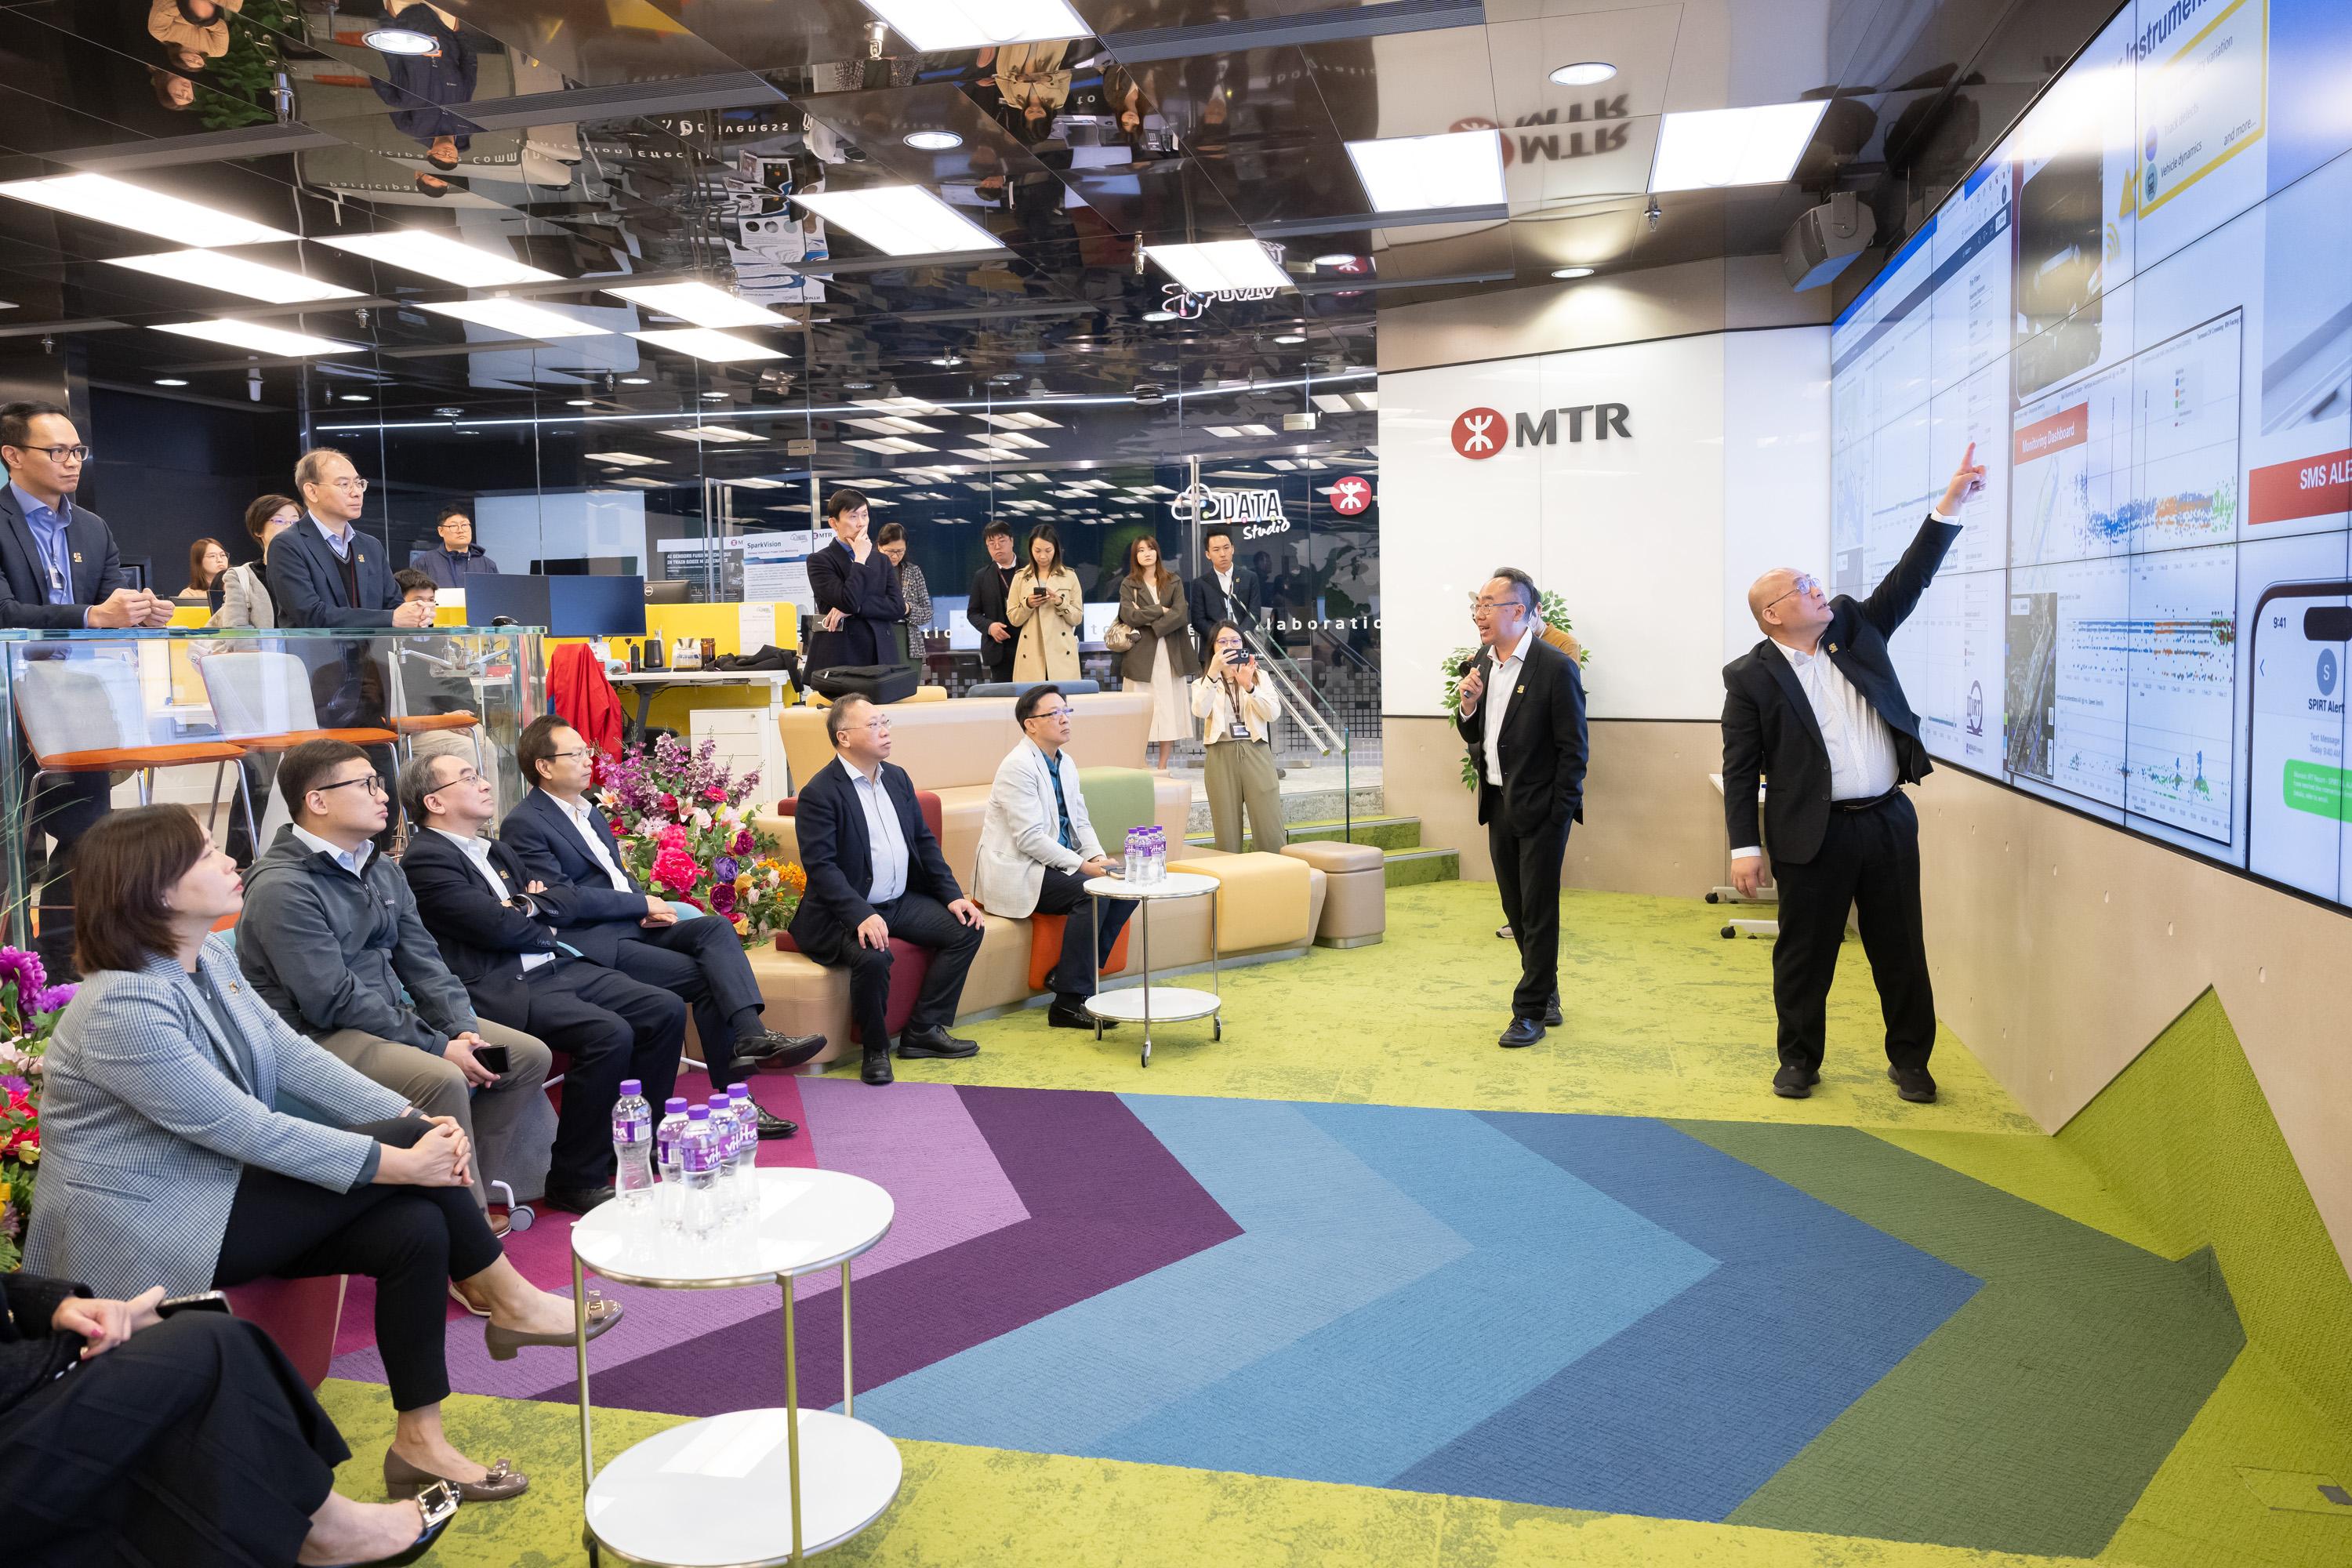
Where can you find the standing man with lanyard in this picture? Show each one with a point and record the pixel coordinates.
(1816, 709)
(1522, 713)
(985, 609)
(322, 571)
(61, 570)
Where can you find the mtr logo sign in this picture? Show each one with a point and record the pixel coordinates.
(1483, 432)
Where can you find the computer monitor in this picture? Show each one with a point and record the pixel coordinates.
(520, 599)
(597, 606)
(669, 591)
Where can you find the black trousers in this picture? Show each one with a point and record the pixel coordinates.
(411, 1241)
(612, 1027)
(922, 920)
(65, 806)
(1065, 893)
(1869, 860)
(1526, 875)
(194, 1442)
(702, 961)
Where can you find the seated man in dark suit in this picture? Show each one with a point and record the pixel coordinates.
(875, 871)
(563, 841)
(495, 928)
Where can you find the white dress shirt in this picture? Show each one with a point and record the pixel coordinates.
(1861, 745)
(478, 853)
(883, 835)
(353, 860)
(1500, 682)
(578, 812)
(1225, 582)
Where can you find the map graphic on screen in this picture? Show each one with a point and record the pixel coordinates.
(2139, 309)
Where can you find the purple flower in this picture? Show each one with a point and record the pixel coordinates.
(54, 998)
(723, 868)
(25, 969)
(745, 843)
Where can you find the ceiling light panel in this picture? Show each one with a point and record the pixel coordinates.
(700, 303)
(1708, 149)
(1220, 265)
(103, 199)
(438, 257)
(719, 433)
(756, 484)
(639, 480)
(704, 344)
(259, 339)
(1022, 421)
(627, 459)
(900, 220)
(936, 26)
(1420, 174)
(517, 317)
(234, 275)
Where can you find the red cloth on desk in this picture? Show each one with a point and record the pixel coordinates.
(578, 692)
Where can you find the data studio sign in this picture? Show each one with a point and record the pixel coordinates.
(1256, 513)
(1481, 433)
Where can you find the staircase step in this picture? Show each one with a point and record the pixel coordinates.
(1381, 832)
(1411, 867)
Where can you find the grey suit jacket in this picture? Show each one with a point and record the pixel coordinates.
(244, 600)
(148, 1120)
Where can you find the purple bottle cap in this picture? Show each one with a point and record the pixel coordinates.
(738, 1092)
(697, 1113)
(674, 1106)
(630, 1086)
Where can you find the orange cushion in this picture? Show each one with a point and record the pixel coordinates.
(1045, 948)
(127, 758)
(414, 723)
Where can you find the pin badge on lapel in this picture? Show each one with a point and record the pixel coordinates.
(76, 557)
(1833, 647)
(1519, 691)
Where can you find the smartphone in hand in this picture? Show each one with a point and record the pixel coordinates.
(495, 1058)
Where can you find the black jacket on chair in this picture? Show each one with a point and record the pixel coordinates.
(871, 604)
(1212, 605)
(1543, 746)
(1769, 729)
(306, 583)
(837, 853)
(96, 568)
(985, 606)
(594, 916)
(482, 940)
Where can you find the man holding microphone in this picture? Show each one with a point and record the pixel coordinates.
(1522, 714)
(1815, 708)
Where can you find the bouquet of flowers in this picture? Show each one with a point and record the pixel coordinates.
(29, 1006)
(686, 832)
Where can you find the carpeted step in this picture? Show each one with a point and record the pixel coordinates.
(1411, 867)
(1381, 832)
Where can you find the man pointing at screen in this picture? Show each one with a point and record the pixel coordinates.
(1815, 712)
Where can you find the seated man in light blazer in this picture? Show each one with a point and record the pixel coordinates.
(1037, 849)
(875, 871)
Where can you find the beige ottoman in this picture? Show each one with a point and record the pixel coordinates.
(1356, 906)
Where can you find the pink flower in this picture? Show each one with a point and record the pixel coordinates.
(745, 843)
(676, 870)
(714, 795)
(668, 804)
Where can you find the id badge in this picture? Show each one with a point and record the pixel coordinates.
(1241, 731)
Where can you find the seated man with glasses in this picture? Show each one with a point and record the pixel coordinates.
(563, 841)
(72, 577)
(325, 572)
(496, 931)
(331, 939)
(875, 871)
(1037, 849)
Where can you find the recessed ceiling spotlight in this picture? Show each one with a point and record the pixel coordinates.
(714, 394)
(1159, 315)
(448, 413)
(636, 380)
(354, 397)
(1287, 338)
(857, 387)
(932, 141)
(1335, 259)
(579, 403)
(1566, 272)
(399, 41)
(169, 380)
(948, 362)
(1584, 73)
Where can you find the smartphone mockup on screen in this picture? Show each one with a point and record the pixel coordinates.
(2299, 789)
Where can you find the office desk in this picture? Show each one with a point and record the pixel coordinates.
(738, 748)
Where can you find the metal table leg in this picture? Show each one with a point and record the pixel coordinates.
(848, 1379)
(792, 1414)
(587, 1440)
(1144, 914)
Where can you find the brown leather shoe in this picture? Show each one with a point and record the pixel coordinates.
(502, 1343)
(403, 1479)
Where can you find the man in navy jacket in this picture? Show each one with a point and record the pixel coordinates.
(876, 872)
(564, 842)
(857, 592)
(322, 571)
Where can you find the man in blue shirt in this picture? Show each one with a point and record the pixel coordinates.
(322, 571)
(59, 567)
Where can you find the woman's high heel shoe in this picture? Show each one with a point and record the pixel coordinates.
(502, 1343)
(403, 1479)
(438, 1505)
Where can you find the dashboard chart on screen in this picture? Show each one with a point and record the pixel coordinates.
(2139, 309)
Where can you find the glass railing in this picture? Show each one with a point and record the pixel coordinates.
(105, 720)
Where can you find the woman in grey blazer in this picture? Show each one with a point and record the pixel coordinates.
(169, 1158)
(245, 590)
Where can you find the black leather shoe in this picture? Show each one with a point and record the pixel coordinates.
(1522, 1032)
(576, 1200)
(1552, 1016)
(1794, 1083)
(1066, 1015)
(774, 1126)
(916, 1043)
(771, 1049)
(1913, 1084)
(877, 1069)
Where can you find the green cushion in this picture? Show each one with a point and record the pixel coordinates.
(1116, 800)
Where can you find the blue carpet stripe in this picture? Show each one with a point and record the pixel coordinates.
(1324, 1234)
(1372, 1393)
(1697, 1406)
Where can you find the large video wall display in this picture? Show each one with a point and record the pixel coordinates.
(2139, 310)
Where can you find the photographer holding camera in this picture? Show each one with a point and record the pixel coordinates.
(1236, 709)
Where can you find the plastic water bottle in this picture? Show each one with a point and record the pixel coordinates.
(1139, 850)
(698, 1162)
(1155, 854)
(632, 1146)
(747, 1150)
(666, 1137)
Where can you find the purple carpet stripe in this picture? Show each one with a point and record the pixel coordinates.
(1107, 1204)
